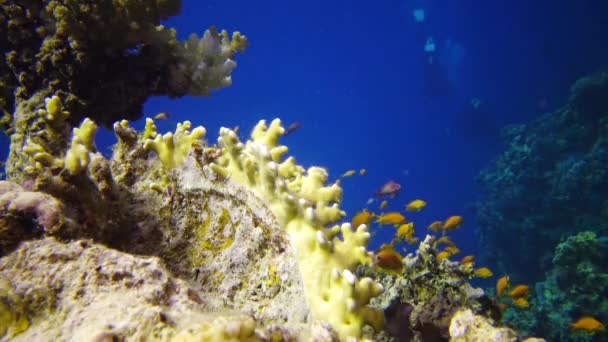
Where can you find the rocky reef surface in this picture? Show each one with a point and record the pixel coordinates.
(173, 238)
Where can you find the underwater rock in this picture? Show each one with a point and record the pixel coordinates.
(465, 326)
(26, 215)
(77, 290)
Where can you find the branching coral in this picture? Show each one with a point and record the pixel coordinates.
(172, 148)
(304, 206)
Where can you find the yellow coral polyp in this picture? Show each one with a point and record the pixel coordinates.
(171, 148)
(53, 110)
(83, 142)
(304, 206)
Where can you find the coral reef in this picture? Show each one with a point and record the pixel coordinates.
(420, 301)
(103, 58)
(549, 182)
(60, 291)
(574, 287)
(172, 238)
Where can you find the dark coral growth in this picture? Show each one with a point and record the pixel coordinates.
(550, 182)
(544, 206)
(419, 303)
(104, 58)
(576, 286)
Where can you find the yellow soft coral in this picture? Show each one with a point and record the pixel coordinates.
(172, 149)
(305, 206)
(83, 142)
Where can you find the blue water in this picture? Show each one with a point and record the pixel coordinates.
(357, 76)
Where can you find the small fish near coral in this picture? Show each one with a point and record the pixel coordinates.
(588, 324)
(394, 218)
(483, 272)
(452, 222)
(390, 188)
(501, 285)
(415, 205)
(388, 258)
(362, 217)
(292, 128)
(348, 173)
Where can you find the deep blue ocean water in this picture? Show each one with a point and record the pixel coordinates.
(368, 95)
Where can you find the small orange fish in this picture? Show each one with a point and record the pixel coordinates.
(501, 306)
(412, 240)
(521, 303)
(483, 272)
(405, 231)
(469, 259)
(389, 259)
(501, 285)
(362, 217)
(390, 188)
(348, 173)
(394, 218)
(519, 291)
(435, 226)
(415, 205)
(444, 240)
(453, 250)
(588, 323)
(383, 204)
(442, 255)
(161, 116)
(452, 222)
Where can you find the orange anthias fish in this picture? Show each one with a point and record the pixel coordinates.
(383, 204)
(501, 285)
(415, 205)
(453, 250)
(394, 218)
(390, 188)
(483, 272)
(389, 259)
(469, 259)
(362, 217)
(588, 324)
(452, 222)
(519, 291)
(521, 303)
(435, 226)
(445, 240)
(442, 255)
(406, 232)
